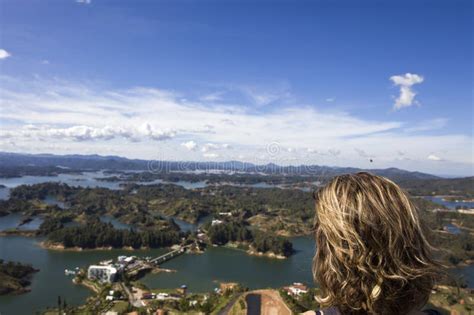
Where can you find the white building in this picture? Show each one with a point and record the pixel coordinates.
(216, 222)
(102, 273)
(296, 289)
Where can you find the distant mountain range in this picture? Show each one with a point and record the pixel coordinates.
(76, 162)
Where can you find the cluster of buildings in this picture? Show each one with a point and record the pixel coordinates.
(107, 271)
(180, 292)
(296, 289)
(216, 222)
(102, 273)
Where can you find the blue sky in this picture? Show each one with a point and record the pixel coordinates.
(325, 82)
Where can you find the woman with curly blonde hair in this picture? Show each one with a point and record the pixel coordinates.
(372, 255)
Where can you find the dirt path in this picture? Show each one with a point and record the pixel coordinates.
(272, 303)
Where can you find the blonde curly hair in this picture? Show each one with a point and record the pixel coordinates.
(372, 255)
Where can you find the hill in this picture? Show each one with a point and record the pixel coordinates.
(16, 164)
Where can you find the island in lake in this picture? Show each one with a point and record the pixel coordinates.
(15, 277)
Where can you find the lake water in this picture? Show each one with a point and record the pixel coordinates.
(198, 271)
(12, 221)
(86, 179)
(450, 204)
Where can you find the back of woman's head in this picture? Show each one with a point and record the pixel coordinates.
(372, 255)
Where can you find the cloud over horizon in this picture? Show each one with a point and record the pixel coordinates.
(407, 94)
(141, 121)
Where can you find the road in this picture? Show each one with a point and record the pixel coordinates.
(229, 305)
(131, 297)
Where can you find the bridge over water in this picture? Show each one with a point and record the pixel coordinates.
(161, 259)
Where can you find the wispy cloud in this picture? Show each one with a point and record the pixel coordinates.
(84, 1)
(190, 145)
(426, 125)
(433, 157)
(86, 133)
(210, 155)
(407, 95)
(362, 153)
(4, 54)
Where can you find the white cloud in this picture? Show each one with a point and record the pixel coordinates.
(4, 54)
(215, 146)
(407, 95)
(433, 157)
(45, 62)
(86, 133)
(210, 155)
(190, 145)
(84, 1)
(330, 99)
(209, 147)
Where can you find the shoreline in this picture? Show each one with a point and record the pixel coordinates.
(24, 233)
(60, 247)
(251, 252)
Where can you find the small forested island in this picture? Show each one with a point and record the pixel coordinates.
(96, 234)
(15, 277)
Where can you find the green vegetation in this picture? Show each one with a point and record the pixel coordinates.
(303, 302)
(263, 243)
(14, 277)
(453, 248)
(462, 187)
(236, 231)
(98, 234)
